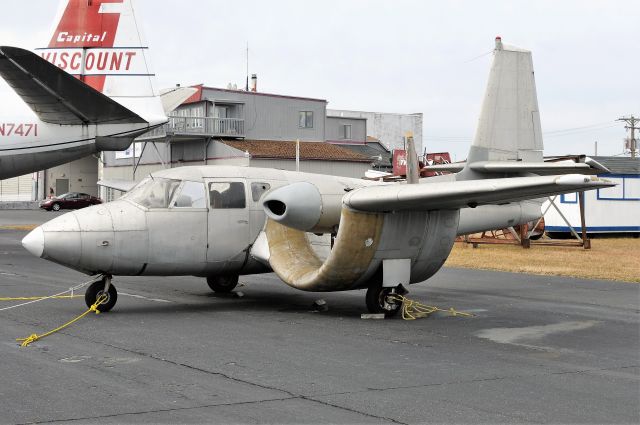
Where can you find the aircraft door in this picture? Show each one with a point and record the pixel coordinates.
(229, 227)
(177, 223)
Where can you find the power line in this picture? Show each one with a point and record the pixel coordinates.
(631, 126)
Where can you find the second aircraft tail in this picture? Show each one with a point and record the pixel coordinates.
(101, 43)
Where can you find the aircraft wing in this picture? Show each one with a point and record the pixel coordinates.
(517, 167)
(57, 97)
(469, 193)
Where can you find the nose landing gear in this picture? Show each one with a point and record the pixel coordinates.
(98, 288)
(380, 299)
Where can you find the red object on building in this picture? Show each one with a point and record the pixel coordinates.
(400, 162)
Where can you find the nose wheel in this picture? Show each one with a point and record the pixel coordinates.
(380, 299)
(99, 288)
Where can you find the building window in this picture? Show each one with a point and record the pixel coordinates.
(347, 131)
(305, 119)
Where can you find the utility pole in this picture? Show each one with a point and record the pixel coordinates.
(632, 126)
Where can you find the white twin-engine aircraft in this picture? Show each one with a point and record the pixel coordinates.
(221, 222)
(90, 90)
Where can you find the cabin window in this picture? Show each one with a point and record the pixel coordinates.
(305, 119)
(153, 192)
(257, 189)
(192, 195)
(226, 195)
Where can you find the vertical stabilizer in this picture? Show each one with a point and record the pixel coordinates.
(101, 43)
(509, 126)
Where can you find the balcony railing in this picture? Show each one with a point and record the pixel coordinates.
(198, 126)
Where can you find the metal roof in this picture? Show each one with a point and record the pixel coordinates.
(619, 164)
(371, 150)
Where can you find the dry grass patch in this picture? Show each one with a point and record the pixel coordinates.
(608, 259)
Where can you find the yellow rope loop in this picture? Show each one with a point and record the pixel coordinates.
(412, 310)
(34, 337)
(26, 341)
(101, 299)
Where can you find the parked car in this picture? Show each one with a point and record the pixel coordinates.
(69, 201)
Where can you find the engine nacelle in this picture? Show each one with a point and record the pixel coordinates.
(302, 206)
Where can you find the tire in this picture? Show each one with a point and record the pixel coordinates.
(222, 284)
(55, 207)
(377, 303)
(95, 290)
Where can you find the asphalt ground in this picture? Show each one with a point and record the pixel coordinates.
(539, 349)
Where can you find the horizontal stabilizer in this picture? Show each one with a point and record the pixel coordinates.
(121, 185)
(57, 97)
(469, 193)
(172, 98)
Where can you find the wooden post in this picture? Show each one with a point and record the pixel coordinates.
(586, 242)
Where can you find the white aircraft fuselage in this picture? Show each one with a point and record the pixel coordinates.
(28, 144)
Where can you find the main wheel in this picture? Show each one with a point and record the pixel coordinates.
(55, 207)
(379, 303)
(95, 290)
(222, 284)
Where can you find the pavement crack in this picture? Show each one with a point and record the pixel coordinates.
(471, 381)
(326, 403)
(146, 412)
(290, 394)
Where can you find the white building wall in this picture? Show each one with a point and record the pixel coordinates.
(388, 128)
(610, 210)
(17, 189)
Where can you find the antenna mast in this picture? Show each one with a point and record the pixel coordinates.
(247, 84)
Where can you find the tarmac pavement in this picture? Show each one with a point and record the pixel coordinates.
(538, 350)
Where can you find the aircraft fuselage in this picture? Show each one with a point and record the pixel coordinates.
(208, 221)
(28, 144)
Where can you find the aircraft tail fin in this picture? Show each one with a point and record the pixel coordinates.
(101, 43)
(509, 126)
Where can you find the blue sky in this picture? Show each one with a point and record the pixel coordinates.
(396, 56)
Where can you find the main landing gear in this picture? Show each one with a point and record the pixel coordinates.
(98, 288)
(222, 284)
(380, 300)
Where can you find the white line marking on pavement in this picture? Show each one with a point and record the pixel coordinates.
(158, 300)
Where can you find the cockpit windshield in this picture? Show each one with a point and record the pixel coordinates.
(153, 192)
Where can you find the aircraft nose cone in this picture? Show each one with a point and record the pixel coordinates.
(34, 242)
(61, 240)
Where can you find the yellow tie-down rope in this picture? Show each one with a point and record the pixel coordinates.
(59, 295)
(55, 297)
(412, 310)
(35, 337)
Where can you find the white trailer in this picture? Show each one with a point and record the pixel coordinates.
(610, 210)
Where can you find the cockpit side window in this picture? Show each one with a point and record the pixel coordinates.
(153, 193)
(192, 195)
(225, 195)
(257, 189)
